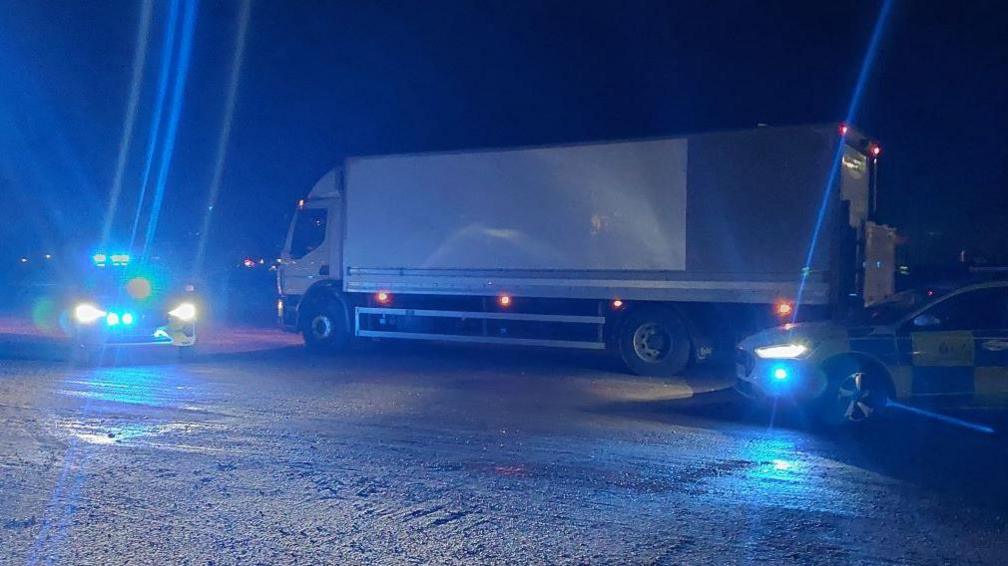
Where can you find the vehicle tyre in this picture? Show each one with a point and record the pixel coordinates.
(854, 395)
(324, 330)
(186, 353)
(655, 341)
(85, 355)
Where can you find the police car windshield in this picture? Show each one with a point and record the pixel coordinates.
(894, 308)
(105, 278)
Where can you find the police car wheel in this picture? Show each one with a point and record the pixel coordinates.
(186, 353)
(84, 354)
(855, 398)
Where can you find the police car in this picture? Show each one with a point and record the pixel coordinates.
(914, 345)
(117, 303)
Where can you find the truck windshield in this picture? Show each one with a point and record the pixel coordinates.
(309, 231)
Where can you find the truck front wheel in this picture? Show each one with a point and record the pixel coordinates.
(654, 341)
(324, 329)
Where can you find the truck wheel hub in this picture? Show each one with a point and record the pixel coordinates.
(652, 342)
(321, 326)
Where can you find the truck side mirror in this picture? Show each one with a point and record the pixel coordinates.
(926, 321)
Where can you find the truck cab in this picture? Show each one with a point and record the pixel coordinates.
(311, 250)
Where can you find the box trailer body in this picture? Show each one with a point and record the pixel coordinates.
(716, 222)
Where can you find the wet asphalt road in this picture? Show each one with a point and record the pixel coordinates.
(259, 453)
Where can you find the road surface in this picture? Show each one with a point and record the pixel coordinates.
(259, 453)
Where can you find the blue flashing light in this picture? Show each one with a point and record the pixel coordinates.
(127, 318)
(780, 374)
(111, 319)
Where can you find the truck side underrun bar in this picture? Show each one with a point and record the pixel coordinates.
(597, 321)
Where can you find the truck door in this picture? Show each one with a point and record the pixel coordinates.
(990, 371)
(875, 248)
(306, 253)
(879, 262)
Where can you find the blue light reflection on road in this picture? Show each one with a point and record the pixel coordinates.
(103, 390)
(153, 386)
(780, 475)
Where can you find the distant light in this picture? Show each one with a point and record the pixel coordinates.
(249, 262)
(24, 260)
(930, 292)
(120, 259)
(780, 373)
(99, 259)
(47, 256)
(301, 204)
(127, 318)
(190, 288)
(843, 129)
(617, 303)
(111, 319)
(875, 150)
(383, 298)
(280, 308)
(783, 308)
(782, 465)
(262, 261)
(504, 300)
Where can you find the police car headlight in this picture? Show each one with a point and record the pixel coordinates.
(782, 351)
(185, 312)
(86, 313)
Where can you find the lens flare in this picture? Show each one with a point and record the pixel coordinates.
(139, 288)
(852, 109)
(167, 51)
(225, 133)
(130, 113)
(177, 97)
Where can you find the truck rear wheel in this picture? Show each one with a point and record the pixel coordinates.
(654, 341)
(324, 329)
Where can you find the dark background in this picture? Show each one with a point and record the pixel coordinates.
(325, 80)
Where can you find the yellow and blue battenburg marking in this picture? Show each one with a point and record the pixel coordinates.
(940, 363)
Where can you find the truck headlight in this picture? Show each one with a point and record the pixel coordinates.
(185, 312)
(86, 313)
(782, 351)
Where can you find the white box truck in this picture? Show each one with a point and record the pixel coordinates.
(659, 250)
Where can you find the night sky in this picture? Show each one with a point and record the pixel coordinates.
(322, 81)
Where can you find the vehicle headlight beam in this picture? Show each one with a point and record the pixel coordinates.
(782, 351)
(86, 313)
(184, 312)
